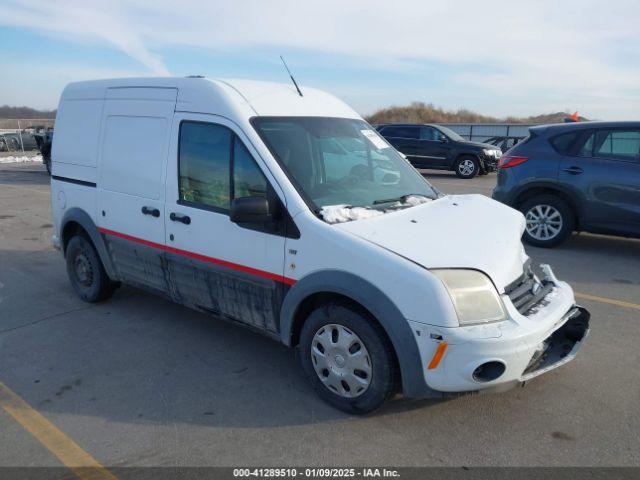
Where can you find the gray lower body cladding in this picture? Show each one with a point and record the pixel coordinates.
(222, 291)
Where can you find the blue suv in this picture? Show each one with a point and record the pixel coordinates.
(574, 177)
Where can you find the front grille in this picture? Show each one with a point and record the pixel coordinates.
(527, 293)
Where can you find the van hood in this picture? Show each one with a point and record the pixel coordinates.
(455, 231)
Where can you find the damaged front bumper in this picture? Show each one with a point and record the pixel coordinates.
(496, 357)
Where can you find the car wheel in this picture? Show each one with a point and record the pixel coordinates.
(86, 272)
(347, 358)
(466, 167)
(549, 221)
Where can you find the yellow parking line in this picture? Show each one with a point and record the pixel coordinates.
(68, 452)
(610, 301)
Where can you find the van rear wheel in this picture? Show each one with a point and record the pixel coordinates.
(86, 272)
(347, 358)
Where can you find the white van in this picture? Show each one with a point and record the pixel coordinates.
(290, 215)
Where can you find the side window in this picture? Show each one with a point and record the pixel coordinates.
(402, 132)
(563, 142)
(204, 153)
(586, 150)
(428, 133)
(248, 179)
(619, 144)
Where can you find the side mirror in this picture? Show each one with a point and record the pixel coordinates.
(443, 138)
(250, 210)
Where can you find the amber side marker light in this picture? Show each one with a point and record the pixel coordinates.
(435, 360)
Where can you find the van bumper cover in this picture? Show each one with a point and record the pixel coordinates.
(493, 358)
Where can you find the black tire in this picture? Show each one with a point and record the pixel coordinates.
(466, 167)
(383, 376)
(548, 205)
(86, 273)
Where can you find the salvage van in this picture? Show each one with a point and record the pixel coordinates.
(283, 211)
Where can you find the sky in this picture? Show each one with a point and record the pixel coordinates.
(498, 58)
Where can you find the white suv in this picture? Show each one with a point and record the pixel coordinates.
(290, 215)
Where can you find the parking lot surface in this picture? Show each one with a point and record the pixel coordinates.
(139, 381)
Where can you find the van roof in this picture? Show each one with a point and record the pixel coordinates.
(204, 95)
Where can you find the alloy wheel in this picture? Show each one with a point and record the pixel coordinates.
(466, 167)
(543, 222)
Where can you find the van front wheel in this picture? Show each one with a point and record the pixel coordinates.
(347, 358)
(86, 273)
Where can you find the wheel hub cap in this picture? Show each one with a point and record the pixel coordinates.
(341, 360)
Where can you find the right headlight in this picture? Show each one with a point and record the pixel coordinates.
(473, 294)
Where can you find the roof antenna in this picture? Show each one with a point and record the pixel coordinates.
(291, 76)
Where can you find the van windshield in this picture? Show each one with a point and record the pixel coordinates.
(340, 161)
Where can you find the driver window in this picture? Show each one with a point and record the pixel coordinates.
(203, 161)
(248, 179)
(428, 133)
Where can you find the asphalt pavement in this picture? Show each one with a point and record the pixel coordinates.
(139, 381)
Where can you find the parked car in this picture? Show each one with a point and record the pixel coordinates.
(503, 143)
(574, 176)
(16, 141)
(248, 211)
(438, 147)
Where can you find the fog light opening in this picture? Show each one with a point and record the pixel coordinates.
(488, 371)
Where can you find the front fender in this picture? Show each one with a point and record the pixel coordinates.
(378, 304)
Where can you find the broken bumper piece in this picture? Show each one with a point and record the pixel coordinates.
(496, 357)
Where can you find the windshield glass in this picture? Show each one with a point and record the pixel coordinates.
(340, 161)
(451, 134)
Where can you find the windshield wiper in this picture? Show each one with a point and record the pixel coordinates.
(400, 199)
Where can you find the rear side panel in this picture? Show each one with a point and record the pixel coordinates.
(134, 141)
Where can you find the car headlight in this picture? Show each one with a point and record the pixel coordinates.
(490, 152)
(473, 294)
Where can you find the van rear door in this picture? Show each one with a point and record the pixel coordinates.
(133, 153)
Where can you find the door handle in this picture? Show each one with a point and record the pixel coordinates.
(154, 212)
(178, 217)
(573, 170)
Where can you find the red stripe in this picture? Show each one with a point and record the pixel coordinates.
(204, 258)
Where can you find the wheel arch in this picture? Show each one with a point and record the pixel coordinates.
(335, 284)
(76, 220)
(531, 191)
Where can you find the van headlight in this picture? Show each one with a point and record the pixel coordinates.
(473, 294)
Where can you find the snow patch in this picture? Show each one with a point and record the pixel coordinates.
(346, 213)
(413, 200)
(23, 159)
